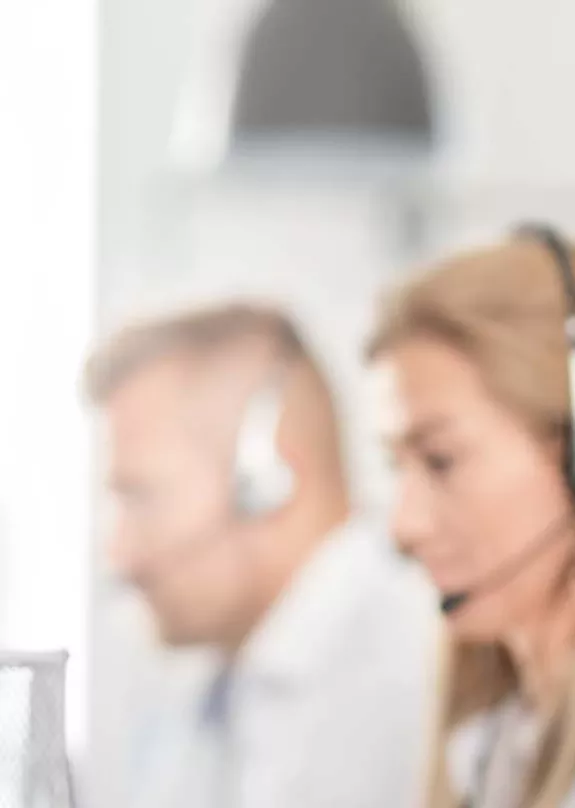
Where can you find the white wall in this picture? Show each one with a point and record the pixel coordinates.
(46, 307)
(505, 69)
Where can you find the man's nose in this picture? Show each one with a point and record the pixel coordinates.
(124, 554)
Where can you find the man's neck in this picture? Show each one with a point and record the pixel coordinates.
(290, 542)
(323, 515)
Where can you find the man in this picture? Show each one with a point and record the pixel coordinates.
(235, 525)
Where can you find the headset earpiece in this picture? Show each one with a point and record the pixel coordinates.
(257, 495)
(262, 481)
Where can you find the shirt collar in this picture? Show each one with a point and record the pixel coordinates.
(293, 643)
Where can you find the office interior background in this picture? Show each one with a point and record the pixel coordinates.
(304, 151)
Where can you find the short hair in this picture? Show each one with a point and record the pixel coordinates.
(204, 332)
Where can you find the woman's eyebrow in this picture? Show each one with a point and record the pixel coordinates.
(418, 433)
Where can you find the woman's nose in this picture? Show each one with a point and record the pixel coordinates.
(412, 523)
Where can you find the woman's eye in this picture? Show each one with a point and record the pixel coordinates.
(439, 463)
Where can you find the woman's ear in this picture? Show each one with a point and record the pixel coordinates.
(557, 449)
(555, 443)
(555, 446)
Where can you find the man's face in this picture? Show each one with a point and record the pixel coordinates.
(173, 535)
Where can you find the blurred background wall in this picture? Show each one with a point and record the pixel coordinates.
(310, 151)
(46, 304)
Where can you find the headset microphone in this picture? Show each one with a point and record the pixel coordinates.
(557, 246)
(450, 603)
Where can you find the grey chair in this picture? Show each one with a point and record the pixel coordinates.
(34, 771)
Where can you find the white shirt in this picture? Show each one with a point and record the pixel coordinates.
(326, 703)
(490, 755)
(506, 741)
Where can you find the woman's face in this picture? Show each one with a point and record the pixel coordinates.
(476, 490)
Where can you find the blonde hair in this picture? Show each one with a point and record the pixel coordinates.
(201, 332)
(505, 309)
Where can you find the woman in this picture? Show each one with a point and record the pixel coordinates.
(478, 356)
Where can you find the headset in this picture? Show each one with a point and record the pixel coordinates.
(559, 250)
(263, 482)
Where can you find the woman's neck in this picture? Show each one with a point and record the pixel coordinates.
(541, 650)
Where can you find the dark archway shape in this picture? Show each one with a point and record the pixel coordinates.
(346, 66)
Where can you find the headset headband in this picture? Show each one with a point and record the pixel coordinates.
(559, 249)
(561, 252)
